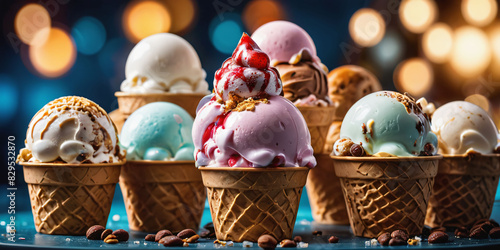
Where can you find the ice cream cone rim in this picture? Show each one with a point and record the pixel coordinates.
(181, 95)
(70, 165)
(205, 168)
(461, 156)
(373, 158)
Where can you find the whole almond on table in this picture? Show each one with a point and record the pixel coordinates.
(150, 237)
(267, 241)
(478, 233)
(462, 232)
(186, 233)
(121, 235)
(438, 237)
(384, 239)
(397, 242)
(105, 233)
(171, 241)
(399, 234)
(288, 243)
(162, 233)
(333, 239)
(94, 232)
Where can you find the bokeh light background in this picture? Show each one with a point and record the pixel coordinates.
(443, 50)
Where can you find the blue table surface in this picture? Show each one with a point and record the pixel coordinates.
(27, 238)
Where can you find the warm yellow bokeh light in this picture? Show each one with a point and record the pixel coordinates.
(417, 15)
(29, 20)
(182, 13)
(479, 12)
(437, 42)
(495, 42)
(56, 56)
(366, 27)
(414, 76)
(144, 18)
(471, 52)
(259, 12)
(479, 100)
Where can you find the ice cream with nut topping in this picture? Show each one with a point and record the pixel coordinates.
(73, 130)
(247, 123)
(293, 53)
(462, 127)
(386, 123)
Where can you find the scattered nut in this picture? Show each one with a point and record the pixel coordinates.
(384, 239)
(267, 241)
(171, 241)
(105, 233)
(495, 233)
(297, 238)
(486, 226)
(317, 233)
(193, 239)
(461, 232)
(400, 234)
(397, 242)
(209, 231)
(479, 222)
(186, 233)
(110, 239)
(150, 237)
(162, 233)
(185, 244)
(121, 235)
(94, 232)
(288, 243)
(438, 237)
(357, 150)
(478, 233)
(413, 242)
(333, 239)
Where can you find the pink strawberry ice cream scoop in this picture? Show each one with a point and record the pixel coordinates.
(247, 74)
(259, 129)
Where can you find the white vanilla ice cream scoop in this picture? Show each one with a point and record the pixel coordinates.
(462, 126)
(164, 62)
(72, 129)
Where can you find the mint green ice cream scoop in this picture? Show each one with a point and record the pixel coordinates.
(387, 122)
(158, 131)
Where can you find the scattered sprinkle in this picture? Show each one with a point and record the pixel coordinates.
(178, 119)
(373, 242)
(367, 243)
(22, 238)
(68, 239)
(2, 223)
(247, 244)
(116, 217)
(229, 243)
(302, 245)
(137, 242)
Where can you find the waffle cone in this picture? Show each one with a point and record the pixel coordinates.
(68, 199)
(318, 121)
(324, 192)
(162, 195)
(383, 194)
(464, 190)
(248, 202)
(130, 102)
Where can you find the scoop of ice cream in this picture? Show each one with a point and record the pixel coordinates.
(462, 127)
(293, 53)
(283, 41)
(302, 80)
(158, 131)
(386, 123)
(72, 129)
(274, 134)
(246, 74)
(164, 62)
(349, 83)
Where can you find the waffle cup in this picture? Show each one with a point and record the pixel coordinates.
(323, 189)
(383, 194)
(130, 102)
(69, 198)
(162, 194)
(318, 121)
(248, 202)
(464, 190)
